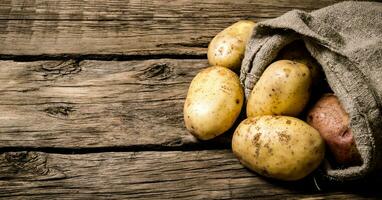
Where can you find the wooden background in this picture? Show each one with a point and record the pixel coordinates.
(91, 96)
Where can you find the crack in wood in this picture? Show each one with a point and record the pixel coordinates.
(214, 144)
(198, 42)
(103, 57)
(175, 143)
(30, 90)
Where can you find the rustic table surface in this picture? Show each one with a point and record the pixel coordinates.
(91, 97)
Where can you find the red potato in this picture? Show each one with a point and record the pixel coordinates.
(331, 120)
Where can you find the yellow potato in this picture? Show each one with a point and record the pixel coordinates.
(283, 89)
(279, 147)
(297, 51)
(227, 47)
(213, 102)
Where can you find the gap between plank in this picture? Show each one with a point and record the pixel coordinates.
(101, 57)
(139, 148)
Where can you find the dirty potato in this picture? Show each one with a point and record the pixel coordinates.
(213, 102)
(331, 120)
(297, 52)
(279, 147)
(283, 89)
(227, 47)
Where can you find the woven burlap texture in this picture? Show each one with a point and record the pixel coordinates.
(346, 40)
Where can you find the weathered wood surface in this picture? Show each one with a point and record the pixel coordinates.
(79, 104)
(94, 118)
(148, 175)
(135, 27)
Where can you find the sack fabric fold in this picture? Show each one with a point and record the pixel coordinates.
(346, 40)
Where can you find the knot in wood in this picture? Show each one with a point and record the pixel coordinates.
(157, 71)
(54, 70)
(61, 111)
(21, 156)
(27, 165)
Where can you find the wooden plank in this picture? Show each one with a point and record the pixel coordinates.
(78, 104)
(128, 28)
(155, 175)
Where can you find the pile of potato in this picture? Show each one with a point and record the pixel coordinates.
(273, 141)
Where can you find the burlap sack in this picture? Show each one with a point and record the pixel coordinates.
(346, 40)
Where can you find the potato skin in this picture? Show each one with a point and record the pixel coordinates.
(283, 89)
(279, 147)
(297, 52)
(213, 102)
(331, 120)
(227, 48)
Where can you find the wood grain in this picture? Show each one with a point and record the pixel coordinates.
(128, 28)
(96, 120)
(141, 175)
(79, 104)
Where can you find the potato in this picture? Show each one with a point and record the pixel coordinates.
(283, 89)
(296, 51)
(213, 102)
(332, 121)
(279, 147)
(227, 47)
